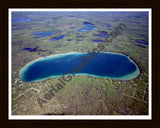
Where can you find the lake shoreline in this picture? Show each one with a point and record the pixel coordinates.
(136, 73)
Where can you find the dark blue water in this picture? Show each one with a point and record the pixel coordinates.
(102, 34)
(97, 40)
(142, 42)
(106, 65)
(42, 34)
(87, 27)
(31, 49)
(57, 38)
(20, 19)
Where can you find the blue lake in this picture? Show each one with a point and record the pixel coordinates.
(57, 38)
(142, 42)
(102, 34)
(20, 19)
(96, 40)
(31, 49)
(87, 27)
(42, 34)
(106, 65)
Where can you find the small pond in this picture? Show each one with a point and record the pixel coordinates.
(42, 34)
(87, 27)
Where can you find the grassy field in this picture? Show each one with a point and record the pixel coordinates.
(83, 95)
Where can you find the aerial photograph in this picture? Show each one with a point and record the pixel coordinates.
(79, 62)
